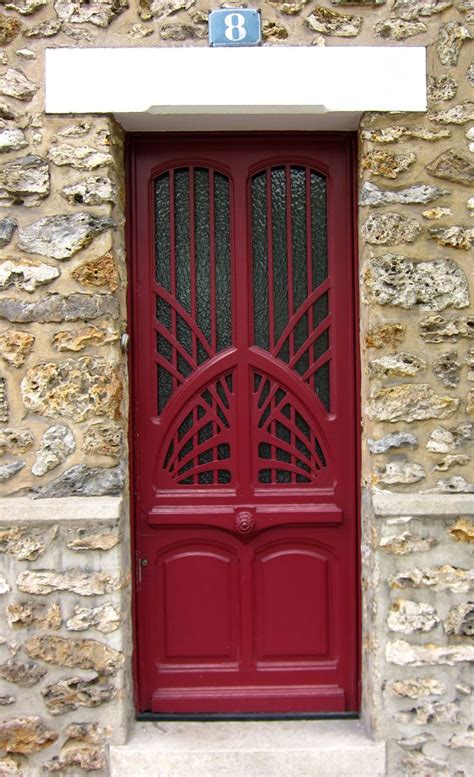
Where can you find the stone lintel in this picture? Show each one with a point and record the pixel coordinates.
(74, 509)
(389, 503)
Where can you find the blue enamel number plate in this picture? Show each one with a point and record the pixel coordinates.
(235, 27)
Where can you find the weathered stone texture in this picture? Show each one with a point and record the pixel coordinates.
(413, 9)
(47, 29)
(462, 530)
(15, 346)
(26, 543)
(27, 734)
(104, 618)
(9, 29)
(7, 471)
(78, 581)
(76, 388)
(26, 274)
(450, 40)
(101, 272)
(416, 687)
(407, 542)
(12, 140)
(79, 157)
(77, 754)
(418, 193)
(402, 653)
(441, 88)
(80, 653)
(438, 329)
(406, 616)
(105, 439)
(453, 165)
(56, 445)
(387, 163)
(390, 229)
(399, 473)
(457, 114)
(23, 674)
(453, 237)
(81, 480)
(3, 400)
(161, 9)
(447, 369)
(79, 339)
(396, 280)
(397, 440)
(25, 181)
(60, 237)
(15, 84)
(7, 228)
(91, 538)
(408, 402)
(398, 132)
(460, 620)
(438, 712)
(445, 578)
(68, 695)
(399, 29)
(94, 190)
(42, 616)
(400, 364)
(15, 440)
(329, 22)
(57, 308)
(385, 336)
(98, 12)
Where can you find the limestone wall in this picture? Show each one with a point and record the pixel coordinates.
(65, 571)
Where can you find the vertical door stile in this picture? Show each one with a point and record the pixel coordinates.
(212, 262)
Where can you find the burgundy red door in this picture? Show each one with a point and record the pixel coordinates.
(245, 435)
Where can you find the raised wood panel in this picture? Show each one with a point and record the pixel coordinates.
(291, 603)
(199, 604)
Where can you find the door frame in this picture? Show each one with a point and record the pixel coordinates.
(132, 140)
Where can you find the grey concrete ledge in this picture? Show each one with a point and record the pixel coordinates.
(303, 748)
(388, 503)
(73, 509)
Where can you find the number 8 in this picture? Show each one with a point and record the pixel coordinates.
(235, 24)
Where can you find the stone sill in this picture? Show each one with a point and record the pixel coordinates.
(303, 748)
(73, 509)
(388, 503)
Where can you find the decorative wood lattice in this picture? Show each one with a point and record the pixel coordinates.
(288, 448)
(199, 451)
(291, 314)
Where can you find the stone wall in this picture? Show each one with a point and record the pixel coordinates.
(65, 574)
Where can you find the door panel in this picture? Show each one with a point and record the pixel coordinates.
(244, 403)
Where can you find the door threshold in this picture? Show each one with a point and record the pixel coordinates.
(243, 716)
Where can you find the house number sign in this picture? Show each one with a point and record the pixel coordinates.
(235, 27)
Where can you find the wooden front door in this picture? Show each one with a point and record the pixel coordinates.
(244, 424)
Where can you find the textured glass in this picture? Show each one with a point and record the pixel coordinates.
(222, 262)
(165, 387)
(319, 228)
(162, 231)
(182, 247)
(260, 261)
(298, 247)
(202, 248)
(321, 385)
(279, 248)
(205, 433)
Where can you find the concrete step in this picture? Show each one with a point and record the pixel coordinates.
(303, 748)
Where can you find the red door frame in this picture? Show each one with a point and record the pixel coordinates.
(133, 312)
